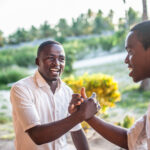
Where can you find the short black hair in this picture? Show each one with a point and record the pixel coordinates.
(44, 44)
(142, 31)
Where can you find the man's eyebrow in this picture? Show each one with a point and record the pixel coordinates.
(62, 55)
(55, 55)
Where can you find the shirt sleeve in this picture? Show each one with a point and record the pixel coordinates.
(24, 107)
(137, 135)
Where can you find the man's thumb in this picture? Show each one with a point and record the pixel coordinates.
(83, 94)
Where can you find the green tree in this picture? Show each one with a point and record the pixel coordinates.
(21, 35)
(33, 32)
(46, 31)
(63, 28)
(2, 39)
(132, 17)
(81, 25)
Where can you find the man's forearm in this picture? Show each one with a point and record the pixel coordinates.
(111, 132)
(49, 132)
(79, 140)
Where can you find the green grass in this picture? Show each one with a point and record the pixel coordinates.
(133, 98)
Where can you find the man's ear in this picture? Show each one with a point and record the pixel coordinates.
(37, 61)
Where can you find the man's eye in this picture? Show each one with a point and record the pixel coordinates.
(62, 59)
(51, 58)
(130, 52)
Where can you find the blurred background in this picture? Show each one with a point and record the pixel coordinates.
(93, 35)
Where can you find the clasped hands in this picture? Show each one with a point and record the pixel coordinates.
(87, 107)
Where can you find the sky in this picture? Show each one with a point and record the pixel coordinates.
(24, 13)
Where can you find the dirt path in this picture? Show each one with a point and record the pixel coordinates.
(97, 143)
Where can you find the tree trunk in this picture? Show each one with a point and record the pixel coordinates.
(145, 84)
(145, 16)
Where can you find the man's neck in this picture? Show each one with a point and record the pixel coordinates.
(53, 85)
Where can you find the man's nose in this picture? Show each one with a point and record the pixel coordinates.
(126, 59)
(56, 62)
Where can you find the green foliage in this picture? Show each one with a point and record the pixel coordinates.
(4, 119)
(6, 60)
(2, 39)
(107, 43)
(45, 30)
(133, 17)
(128, 121)
(60, 39)
(70, 51)
(63, 28)
(21, 35)
(24, 57)
(10, 75)
(85, 24)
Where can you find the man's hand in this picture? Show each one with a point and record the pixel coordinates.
(75, 102)
(87, 109)
(77, 99)
(86, 106)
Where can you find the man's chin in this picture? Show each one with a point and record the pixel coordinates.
(136, 79)
(54, 79)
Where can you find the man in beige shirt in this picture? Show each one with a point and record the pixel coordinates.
(40, 105)
(137, 137)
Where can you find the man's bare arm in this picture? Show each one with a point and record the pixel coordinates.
(48, 132)
(112, 133)
(80, 140)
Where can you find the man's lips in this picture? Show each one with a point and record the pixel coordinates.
(131, 71)
(54, 70)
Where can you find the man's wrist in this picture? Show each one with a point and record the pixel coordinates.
(78, 116)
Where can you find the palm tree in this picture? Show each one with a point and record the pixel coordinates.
(144, 16)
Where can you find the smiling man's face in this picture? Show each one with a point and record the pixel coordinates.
(137, 58)
(51, 62)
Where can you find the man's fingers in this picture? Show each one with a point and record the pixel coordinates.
(72, 106)
(76, 101)
(83, 94)
(76, 95)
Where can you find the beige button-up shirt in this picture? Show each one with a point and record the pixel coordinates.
(33, 103)
(139, 133)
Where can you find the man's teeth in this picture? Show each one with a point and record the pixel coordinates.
(130, 69)
(56, 70)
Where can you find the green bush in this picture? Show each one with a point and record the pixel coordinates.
(107, 43)
(25, 56)
(4, 119)
(10, 75)
(128, 121)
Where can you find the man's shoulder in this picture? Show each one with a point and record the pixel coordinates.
(25, 82)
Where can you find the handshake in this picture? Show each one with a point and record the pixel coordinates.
(85, 107)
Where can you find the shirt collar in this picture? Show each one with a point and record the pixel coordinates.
(41, 81)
